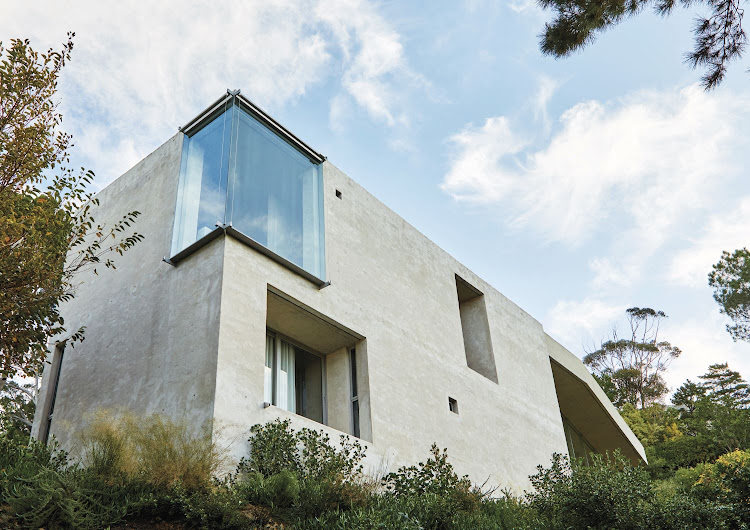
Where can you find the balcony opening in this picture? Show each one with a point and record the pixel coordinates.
(476, 330)
(315, 366)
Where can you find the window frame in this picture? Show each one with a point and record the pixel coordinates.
(276, 367)
(232, 103)
(355, 419)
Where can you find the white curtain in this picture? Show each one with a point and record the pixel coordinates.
(285, 378)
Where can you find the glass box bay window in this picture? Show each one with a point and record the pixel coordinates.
(237, 172)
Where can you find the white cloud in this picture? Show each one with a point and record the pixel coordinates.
(651, 156)
(610, 273)
(372, 53)
(704, 341)
(580, 324)
(545, 91)
(138, 72)
(724, 231)
(525, 6)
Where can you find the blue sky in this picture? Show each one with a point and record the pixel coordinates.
(577, 187)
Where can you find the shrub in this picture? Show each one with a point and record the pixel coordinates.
(301, 470)
(727, 482)
(608, 493)
(156, 451)
(432, 493)
(276, 447)
(41, 489)
(277, 491)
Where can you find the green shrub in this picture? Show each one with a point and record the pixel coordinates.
(276, 447)
(727, 482)
(301, 471)
(277, 491)
(608, 493)
(42, 489)
(432, 493)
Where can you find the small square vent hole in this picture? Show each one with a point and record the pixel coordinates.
(338, 194)
(453, 405)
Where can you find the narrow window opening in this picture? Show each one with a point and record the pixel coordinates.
(475, 328)
(49, 405)
(338, 194)
(355, 392)
(453, 405)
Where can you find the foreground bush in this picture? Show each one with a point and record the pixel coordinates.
(155, 451)
(152, 470)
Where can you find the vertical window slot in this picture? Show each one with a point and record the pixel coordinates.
(475, 328)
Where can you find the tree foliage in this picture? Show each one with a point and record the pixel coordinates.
(47, 232)
(730, 279)
(719, 37)
(708, 419)
(726, 386)
(631, 369)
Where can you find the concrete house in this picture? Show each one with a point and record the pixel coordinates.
(271, 285)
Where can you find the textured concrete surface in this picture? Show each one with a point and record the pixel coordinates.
(189, 341)
(151, 329)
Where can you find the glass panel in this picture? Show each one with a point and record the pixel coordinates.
(276, 195)
(309, 385)
(578, 446)
(355, 418)
(268, 371)
(353, 363)
(202, 191)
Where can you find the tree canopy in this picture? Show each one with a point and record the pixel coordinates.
(47, 232)
(719, 37)
(630, 369)
(730, 279)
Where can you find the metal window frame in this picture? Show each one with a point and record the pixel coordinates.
(218, 107)
(354, 396)
(205, 117)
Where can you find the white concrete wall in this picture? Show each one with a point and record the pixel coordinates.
(189, 341)
(151, 329)
(395, 287)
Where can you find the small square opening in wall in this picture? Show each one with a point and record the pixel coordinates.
(453, 405)
(338, 194)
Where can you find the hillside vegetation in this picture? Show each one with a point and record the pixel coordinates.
(150, 473)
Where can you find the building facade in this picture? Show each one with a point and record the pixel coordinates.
(271, 285)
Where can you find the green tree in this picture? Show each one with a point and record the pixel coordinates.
(726, 386)
(631, 368)
(714, 419)
(719, 37)
(730, 279)
(47, 232)
(687, 395)
(653, 424)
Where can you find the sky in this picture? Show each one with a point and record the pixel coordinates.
(577, 187)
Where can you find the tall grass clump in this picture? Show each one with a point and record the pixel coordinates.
(154, 450)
